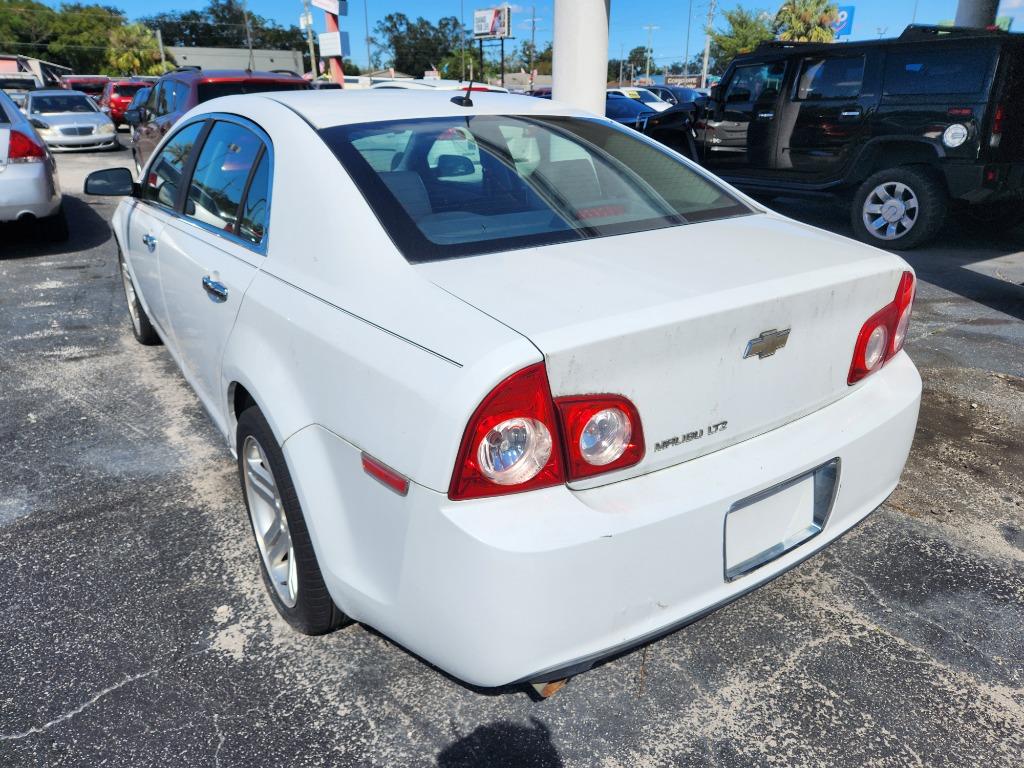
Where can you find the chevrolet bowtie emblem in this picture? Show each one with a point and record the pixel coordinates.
(767, 344)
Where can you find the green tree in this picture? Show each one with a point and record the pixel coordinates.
(806, 21)
(745, 30)
(25, 26)
(79, 36)
(133, 50)
(416, 46)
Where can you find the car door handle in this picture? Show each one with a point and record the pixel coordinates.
(218, 291)
(150, 242)
(850, 112)
(765, 115)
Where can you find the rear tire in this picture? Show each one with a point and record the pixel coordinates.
(142, 328)
(899, 208)
(288, 563)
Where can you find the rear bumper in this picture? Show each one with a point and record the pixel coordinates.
(529, 586)
(979, 183)
(28, 189)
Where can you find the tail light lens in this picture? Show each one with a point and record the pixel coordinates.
(24, 149)
(997, 126)
(883, 334)
(517, 441)
(602, 433)
(511, 443)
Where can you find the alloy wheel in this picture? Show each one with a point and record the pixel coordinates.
(890, 210)
(269, 522)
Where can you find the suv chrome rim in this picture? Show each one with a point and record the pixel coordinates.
(890, 211)
(129, 294)
(269, 522)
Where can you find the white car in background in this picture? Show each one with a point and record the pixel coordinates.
(514, 385)
(436, 84)
(645, 97)
(69, 120)
(29, 189)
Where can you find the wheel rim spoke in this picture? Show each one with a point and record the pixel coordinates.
(269, 522)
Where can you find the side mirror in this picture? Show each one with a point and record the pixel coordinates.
(112, 182)
(133, 116)
(454, 165)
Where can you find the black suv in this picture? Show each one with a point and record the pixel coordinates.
(906, 131)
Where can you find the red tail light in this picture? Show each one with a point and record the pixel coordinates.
(24, 149)
(883, 334)
(997, 120)
(511, 443)
(602, 433)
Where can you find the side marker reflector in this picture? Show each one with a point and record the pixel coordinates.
(385, 475)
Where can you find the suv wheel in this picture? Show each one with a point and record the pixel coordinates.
(899, 208)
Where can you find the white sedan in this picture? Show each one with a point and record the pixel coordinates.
(516, 386)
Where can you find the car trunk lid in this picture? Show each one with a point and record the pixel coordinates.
(666, 317)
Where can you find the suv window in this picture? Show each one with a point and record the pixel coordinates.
(221, 173)
(755, 82)
(822, 78)
(164, 176)
(939, 70)
(209, 91)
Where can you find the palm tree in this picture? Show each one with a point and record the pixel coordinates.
(806, 21)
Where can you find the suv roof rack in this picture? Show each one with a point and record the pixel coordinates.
(188, 68)
(782, 44)
(285, 72)
(932, 31)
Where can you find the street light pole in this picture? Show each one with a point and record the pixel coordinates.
(707, 45)
(686, 56)
(650, 31)
(314, 65)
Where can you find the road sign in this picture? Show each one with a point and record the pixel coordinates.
(843, 25)
(492, 23)
(305, 20)
(337, 7)
(334, 44)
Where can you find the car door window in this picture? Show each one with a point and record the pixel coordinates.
(221, 173)
(153, 104)
(252, 225)
(755, 83)
(179, 97)
(833, 78)
(163, 178)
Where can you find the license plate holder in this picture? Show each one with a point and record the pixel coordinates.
(768, 524)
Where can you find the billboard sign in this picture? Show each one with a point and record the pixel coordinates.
(334, 44)
(336, 7)
(491, 23)
(843, 25)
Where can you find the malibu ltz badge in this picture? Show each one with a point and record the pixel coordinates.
(767, 344)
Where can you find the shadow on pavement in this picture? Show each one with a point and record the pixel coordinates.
(88, 230)
(501, 744)
(945, 262)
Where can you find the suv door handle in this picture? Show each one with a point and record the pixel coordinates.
(217, 290)
(150, 242)
(765, 115)
(855, 112)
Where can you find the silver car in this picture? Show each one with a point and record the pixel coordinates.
(29, 190)
(70, 120)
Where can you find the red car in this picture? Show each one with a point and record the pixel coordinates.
(117, 95)
(92, 85)
(177, 92)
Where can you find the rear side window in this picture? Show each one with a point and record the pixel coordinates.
(483, 183)
(209, 91)
(822, 78)
(163, 179)
(221, 175)
(936, 71)
(252, 224)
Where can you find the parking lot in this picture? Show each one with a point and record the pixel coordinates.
(138, 631)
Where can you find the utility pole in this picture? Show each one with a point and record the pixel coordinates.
(314, 65)
(533, 39)
(366, 29)
(622, 48)
(686, 55)
(160, 42)
(707, 45)
(462, 36)
(248, 36)
(650, 31)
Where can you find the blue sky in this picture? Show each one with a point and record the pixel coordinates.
(627, 21)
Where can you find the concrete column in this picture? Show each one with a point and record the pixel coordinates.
(580, 66)
(976, 13)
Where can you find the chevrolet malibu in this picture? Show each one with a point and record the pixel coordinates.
(516, 386)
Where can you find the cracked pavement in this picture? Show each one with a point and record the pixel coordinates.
(137, 632)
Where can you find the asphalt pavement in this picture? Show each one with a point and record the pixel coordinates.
(136, 630)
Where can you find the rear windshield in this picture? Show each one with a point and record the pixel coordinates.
(17, 84)
(937, 70)
(447, 187)
(54, 105)
(209, 91)
(127, 90)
